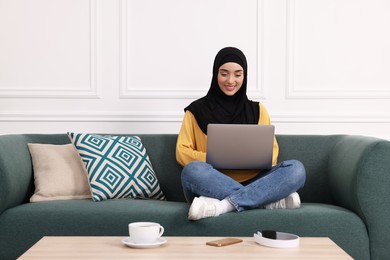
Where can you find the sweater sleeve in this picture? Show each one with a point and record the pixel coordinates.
(265, 120)
(191, 141)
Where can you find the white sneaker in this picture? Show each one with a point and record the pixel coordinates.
(291, 202)
(204, 207)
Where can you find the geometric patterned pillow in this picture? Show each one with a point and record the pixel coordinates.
(118, 167)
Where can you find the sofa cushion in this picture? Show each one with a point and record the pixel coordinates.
(58, 173)
(118, 167)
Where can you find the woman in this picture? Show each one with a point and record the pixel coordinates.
(212, 192)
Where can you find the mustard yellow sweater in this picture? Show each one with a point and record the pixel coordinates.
(191, 145)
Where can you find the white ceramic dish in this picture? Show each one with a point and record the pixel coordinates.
(128, 242)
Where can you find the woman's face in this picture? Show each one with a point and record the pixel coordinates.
(230, 78)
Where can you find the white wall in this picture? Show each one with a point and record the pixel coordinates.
(131, 66)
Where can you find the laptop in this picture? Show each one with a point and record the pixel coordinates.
(240, 146)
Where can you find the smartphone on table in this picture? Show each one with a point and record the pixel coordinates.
(224, 242)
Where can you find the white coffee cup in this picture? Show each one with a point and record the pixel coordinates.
(145, 232)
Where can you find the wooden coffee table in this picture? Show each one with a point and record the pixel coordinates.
(179, 248)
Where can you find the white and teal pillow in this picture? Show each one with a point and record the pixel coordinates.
(118, 167)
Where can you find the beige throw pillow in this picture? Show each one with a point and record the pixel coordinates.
(59, 173)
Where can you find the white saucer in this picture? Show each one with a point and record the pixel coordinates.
(128, 242)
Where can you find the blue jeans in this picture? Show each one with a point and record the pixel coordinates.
(201, 179)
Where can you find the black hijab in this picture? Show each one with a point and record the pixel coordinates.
(216, 106)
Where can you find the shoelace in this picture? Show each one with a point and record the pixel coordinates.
(279, 204)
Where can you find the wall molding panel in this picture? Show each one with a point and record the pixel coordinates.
(130, 90)
(95, 116)
(170, 116)
(90, 90)
(330, 118)
(295, 90)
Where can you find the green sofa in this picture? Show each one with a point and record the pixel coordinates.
(346, 197)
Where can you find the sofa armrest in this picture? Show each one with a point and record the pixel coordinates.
(15, 171)
(359, 179)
